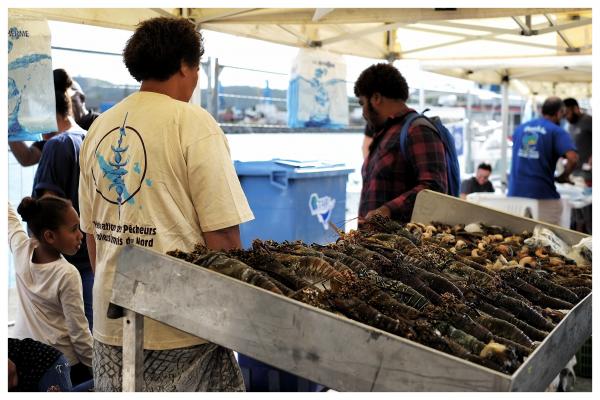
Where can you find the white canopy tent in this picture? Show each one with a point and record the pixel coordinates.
(533, 77)
(539, 51)
(381, 33)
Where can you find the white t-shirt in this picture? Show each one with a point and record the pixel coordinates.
(154, 172)
(50, 301)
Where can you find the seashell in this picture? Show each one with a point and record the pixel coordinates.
(556, 261)
(527, 261)
(541, 252)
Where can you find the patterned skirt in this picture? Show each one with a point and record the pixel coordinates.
(203, 368)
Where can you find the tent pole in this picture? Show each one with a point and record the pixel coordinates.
(469, 167)
(505, 130)
(208, 70)
(215, 90)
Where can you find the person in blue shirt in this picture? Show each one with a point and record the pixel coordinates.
(537, 146)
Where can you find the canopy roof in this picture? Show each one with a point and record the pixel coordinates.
(559, 75)
(437, 37)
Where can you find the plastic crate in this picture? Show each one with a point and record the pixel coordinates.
(583, 368)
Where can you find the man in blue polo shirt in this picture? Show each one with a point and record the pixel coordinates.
(537, 146)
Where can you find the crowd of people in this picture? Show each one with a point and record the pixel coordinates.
(157, 162)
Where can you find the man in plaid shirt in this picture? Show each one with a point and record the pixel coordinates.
(391, 180)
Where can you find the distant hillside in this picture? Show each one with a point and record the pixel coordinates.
(241, 103)
(98, 92)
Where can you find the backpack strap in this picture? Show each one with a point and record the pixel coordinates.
(413, 115)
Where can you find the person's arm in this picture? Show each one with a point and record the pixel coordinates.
(16, 232)
(427, 158)
(25, 155)
(572, 159)
(465, 189)
(223, 239)
(71, 299)
(91, 246)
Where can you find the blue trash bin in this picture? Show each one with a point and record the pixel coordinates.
(293, 200)
(261, 377)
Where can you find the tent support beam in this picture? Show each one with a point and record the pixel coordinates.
(536, 72)
(298, 36)
(525, 28)
(564, 38)
(369, 43)
(505, 129)
(235, 12)
(363, 32)
(163, 13)
(320, 13)
(469, 167)
(490, 37)
(457, 25)
(568, 25)
(539, 29)
(468, 38)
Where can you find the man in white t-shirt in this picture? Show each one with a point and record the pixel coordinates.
(156, 171)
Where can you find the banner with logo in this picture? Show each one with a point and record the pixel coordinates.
(317, 90)
(31, 104)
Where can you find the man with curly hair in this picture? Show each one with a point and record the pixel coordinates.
(391, 179)
(156, 171)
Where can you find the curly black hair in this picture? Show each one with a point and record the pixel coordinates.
(384, 79)
(159, 45)
(570, 102)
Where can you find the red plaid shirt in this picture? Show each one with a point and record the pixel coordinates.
(391, 179)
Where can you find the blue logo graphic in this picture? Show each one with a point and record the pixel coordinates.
(115, 183)
(322, 207)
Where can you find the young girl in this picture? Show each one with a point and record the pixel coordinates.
(50, 301)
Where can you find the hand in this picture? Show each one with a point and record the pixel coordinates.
(562, 178)
(383, 210)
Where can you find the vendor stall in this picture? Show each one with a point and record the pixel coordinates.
(306, 340)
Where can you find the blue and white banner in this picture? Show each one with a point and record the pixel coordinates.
(317, 90)
(31, 104)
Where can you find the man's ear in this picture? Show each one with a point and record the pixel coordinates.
(376, 98)
(182, 68)
(185, 69)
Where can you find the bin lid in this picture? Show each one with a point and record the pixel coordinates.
(293, 168)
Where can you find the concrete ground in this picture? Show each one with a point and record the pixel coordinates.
(582, 385)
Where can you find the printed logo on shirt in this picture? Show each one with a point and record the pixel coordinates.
(120, 177)
(529, 144)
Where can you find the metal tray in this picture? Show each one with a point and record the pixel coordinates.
(335, 351)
